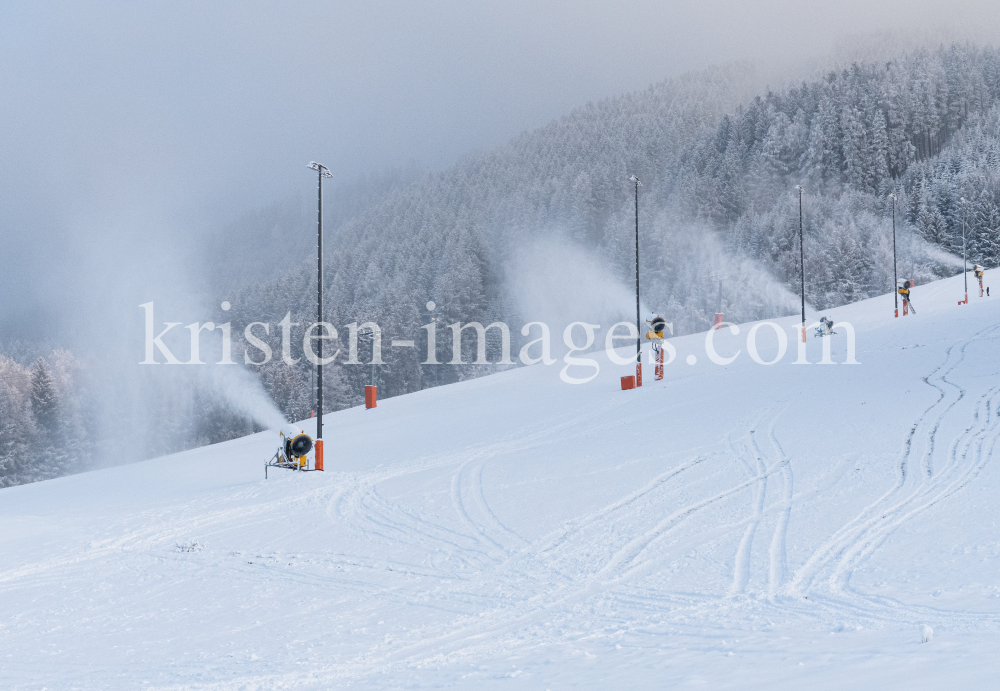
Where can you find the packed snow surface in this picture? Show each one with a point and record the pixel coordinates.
(741, 526)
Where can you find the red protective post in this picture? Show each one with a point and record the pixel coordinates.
(371, 396)
(628, 383)
(718, 320)
(638, 375)
(319, 454)
(658, 370)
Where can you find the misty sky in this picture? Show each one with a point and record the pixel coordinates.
(131, 127)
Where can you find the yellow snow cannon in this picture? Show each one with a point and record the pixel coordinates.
(656, 327)
(292, 451)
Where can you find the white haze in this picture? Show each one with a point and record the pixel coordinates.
(745, 277)
(194, 114)
(244, 393)
(108, 329)
(937, 254)
(134, 128)
(557, 282)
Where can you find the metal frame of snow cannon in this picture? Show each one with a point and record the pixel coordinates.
(291, 453)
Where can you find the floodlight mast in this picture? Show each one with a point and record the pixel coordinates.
(895, 277)
(965, 258)
(638, 318)
(321, 172)
(802, 266)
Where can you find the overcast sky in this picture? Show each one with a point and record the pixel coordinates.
(128, 125)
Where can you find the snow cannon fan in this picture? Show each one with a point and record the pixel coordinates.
(291, 453)
(298, 446)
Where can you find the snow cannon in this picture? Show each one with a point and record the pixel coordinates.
(292, 452)
(298, 446)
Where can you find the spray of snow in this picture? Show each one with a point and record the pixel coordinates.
(244, 393)
(935, 253)
(557, 282)
(750, 292)
(162, 407)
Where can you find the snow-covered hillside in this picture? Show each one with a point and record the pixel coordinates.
(741, 526)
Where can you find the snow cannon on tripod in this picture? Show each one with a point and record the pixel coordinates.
(292, 453)
(903, 287)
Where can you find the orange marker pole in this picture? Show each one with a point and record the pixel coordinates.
(319, 454)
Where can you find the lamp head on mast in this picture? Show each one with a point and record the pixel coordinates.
(632, 178)
(324, 171)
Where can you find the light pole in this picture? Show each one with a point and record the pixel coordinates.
(965, 260)
(321, 172)
(802, 265)
(368, 338)
(638, 318)
(895, 278)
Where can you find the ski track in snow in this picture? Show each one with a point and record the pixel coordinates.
(855, 541)
(859, 539)
(757, 471)
(846, 534)
(778, 552)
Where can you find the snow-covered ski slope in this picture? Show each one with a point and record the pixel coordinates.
(744, 527)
